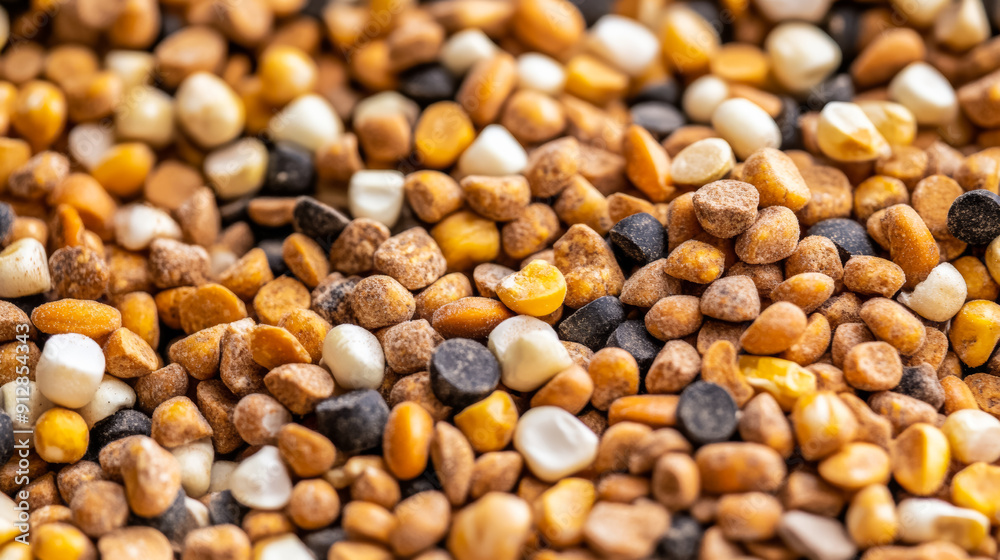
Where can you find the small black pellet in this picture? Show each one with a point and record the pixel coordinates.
(682, 541)
(659, 119)
(843, 22)
(175, 523)
(641, 237)
(463, 372)
(667, 91)
(839, 87)
(318, 221)
(319, 542)
(353, 421)
(290, 170)
(7, 218)
(275, 258)
(427, 481)
(592, 324)
(633, 337)
(6, 438)
(223, 508)
(974, 217)
(788, 123)
(921, 382)
(428, 84)
(593, 10)
(706, 413)
(122, 424)
(849, 236)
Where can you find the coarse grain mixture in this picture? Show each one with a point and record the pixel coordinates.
(499, 280)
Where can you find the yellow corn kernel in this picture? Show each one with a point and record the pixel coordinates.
(466, 239)
(39, 113)
(537, 289)
(489, 423)
(978, 487)
(823, 423)
(562, 510)
(920, 458)
(443, 132)
(785, 380)
(689, 42)
(124, 168)
(61, 541)
(871, 518)
(975, 331)
(406, 441)
(61, 436)
(592, 80)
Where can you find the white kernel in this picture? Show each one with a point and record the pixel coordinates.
(112, 395)
(625, 43)
(926, 92)
(539, 72)
(465, 48)
(845, 133)
(24, 269)
(493, 152)
(137, 225)
(146, 115)
(973, 435)
(261, 481)
(70, 369)
(554, 443)
(237, 169)
(745, 126)
(703, 97)
(377, 195)
(940, 296)
(928, 519)
(309, 121)
(195, 460)
(529, 352)
(802, 55)
(209, 110)
(354, 356)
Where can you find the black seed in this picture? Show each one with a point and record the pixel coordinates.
(427, 481)
(974, 217)
(921, 382)
(706, 413)
(839, 87)
(320, 541)
(314, 219)
(7, 218)
(682, 541)
(593, 10)
(122, 424)
(290, 170)
(592, 324)
(175, 523)
(788, 124)
(641, 237)
(6, 438)
(849, 236)
(353, 421)
(223, 508)
(463, 372)
(275, 258)
(633, 337)
(659, 119)
(842, 24)
(428, 83)
(662, 92)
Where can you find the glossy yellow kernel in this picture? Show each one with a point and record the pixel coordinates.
(978, 487)
(689, 42)
(61, 541)
(286, 72)
(871, 518)
(590, 79)
(61, 436)
(856, 466)
(467, 239)
(562, 510)
(975, 331)
(406, 441)
(442, 133)
(537, 289)
(124, 169)
(786, 381)
(489, 423)
(39, 113)
(823, 423)
(920, 459)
